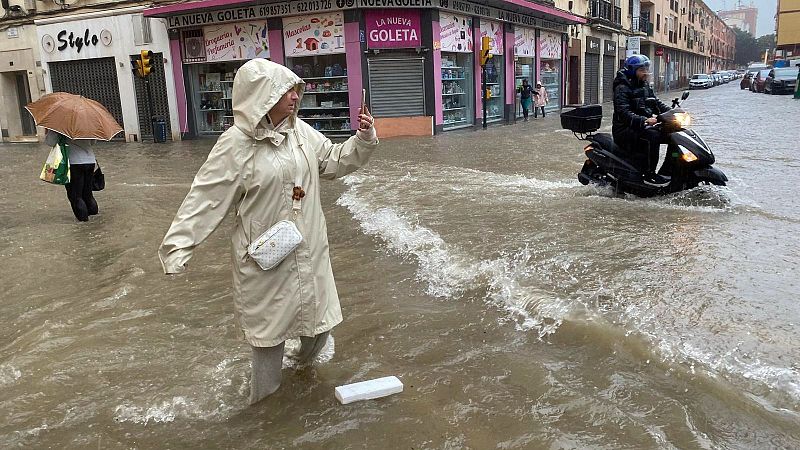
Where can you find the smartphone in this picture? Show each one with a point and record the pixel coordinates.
(363, 99)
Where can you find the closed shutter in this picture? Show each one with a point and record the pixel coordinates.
(592, 78)
(608, 78)
(397, 86)
(92, 78)
(158, 90)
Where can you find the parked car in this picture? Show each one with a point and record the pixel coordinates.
(726, 77)
(700, 81)
(781, 81)
(758, 82)
(747, 79)
(717, 79)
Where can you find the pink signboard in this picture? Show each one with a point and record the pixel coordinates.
(393, 28)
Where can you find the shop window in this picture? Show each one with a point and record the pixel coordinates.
(457, 82)
(523, 70)
(325, 104)
(212, 85)
(494, 83)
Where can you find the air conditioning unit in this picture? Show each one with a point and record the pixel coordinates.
(195, 47)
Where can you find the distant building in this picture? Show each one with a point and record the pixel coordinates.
(743, 18)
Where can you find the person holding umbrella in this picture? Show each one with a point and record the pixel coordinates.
(76, 122)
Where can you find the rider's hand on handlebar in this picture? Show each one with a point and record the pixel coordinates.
(651, 121)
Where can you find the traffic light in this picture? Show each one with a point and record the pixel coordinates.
(143, 67)
(135, 62)
(486, 46)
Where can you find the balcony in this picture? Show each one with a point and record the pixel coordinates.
(605, 13)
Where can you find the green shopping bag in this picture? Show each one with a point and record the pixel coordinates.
(56, 168)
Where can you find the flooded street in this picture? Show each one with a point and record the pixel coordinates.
(521, 309)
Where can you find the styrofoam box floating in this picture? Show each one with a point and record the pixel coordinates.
(367, 390)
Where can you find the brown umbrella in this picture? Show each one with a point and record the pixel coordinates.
(74, 116)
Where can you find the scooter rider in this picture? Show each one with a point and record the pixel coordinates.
(634, 117)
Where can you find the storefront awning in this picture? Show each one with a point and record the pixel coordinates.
(207, 12)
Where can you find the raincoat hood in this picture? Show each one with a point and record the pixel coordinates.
(258, 86)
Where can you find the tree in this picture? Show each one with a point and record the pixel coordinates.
(747, 48)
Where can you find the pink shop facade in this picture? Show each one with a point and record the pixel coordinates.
(418, 60)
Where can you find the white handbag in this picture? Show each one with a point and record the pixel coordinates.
(283, 238)
(275, 244)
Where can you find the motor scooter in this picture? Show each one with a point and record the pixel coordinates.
(688, 163)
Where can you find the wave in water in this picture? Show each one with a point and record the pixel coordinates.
(449, 272)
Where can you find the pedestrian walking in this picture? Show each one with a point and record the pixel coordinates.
(268, 167)
(541, 99)
(77, 122)
(82, 164)
(525, 94)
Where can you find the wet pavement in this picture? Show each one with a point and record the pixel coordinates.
(520, 309)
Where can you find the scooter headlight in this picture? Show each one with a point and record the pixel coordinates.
(683, 119)
(687, 156)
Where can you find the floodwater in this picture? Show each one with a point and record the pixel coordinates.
(520, 309)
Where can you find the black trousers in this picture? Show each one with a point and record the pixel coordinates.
(79, 191)
(536, 111)
(642, 146)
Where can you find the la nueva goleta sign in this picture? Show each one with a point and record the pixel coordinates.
(300, 7)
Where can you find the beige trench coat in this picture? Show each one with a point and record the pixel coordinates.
(252, 168)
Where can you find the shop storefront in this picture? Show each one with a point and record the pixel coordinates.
(457, 71)
(395, 69)
(524, 60)
(495, 70)
(314, 47)
(90, 55)
(550, 64)
(416, 63)
(212, 55)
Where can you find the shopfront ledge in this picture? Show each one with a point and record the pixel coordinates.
(404, 126)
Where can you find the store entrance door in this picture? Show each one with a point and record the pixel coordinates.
(609, 63)
(574, 80)
(396, 86)
(592, 78)
(74, 77)
(23, 98)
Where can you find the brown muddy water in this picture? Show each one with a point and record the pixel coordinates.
(520, 309)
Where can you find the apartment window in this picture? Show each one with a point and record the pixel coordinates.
(658, 22)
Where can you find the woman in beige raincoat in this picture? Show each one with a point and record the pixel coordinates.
(253, 167)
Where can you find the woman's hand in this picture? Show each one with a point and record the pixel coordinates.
(365, 119)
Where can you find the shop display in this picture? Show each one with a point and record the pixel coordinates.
(551, 80)
(212, 85)
(495, 74)
(457, 106)
(494, 83)
(550, 53)
(325, 104)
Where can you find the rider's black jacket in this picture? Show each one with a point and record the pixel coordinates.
(630, 108)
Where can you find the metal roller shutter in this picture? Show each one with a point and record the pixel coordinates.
(592, 78)
(609, 71)
(92, 78)
(158, 89)
(397, 86)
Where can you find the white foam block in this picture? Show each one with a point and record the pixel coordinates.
(367, 390)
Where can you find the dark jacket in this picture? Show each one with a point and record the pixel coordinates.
(525, 91)
(630, 108)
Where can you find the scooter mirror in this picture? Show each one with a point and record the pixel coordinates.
(685, 95)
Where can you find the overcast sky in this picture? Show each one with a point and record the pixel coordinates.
(766, 12)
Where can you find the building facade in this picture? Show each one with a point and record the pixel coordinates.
(787, 27)
(417, 59)
(85, 50)
(743, 18)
